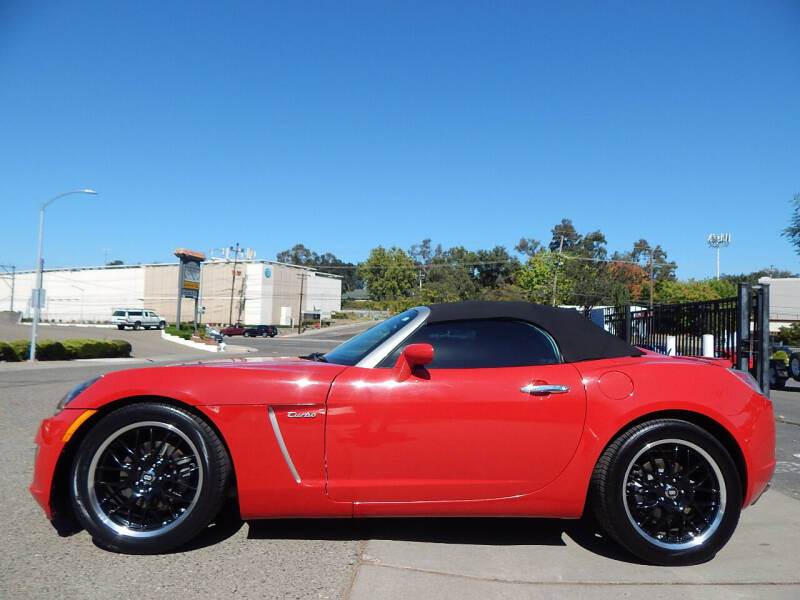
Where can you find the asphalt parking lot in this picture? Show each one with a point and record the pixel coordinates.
(376, 558)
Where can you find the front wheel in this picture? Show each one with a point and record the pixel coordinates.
(667, 491)
(147, 478)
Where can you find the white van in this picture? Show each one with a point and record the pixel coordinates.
(136, 318)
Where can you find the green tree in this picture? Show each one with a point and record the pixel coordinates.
(752, 278)
(494, 268)
(528, 246)
(790, 335)
(792, 231)
(537, 276)
(324, 263)
(389, 274)
(451, 275)
(671, 292)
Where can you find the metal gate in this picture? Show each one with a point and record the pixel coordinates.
(740, 327)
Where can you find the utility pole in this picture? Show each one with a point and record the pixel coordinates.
(558, 262)
(302, 277)
(651, 279)
(233, 281)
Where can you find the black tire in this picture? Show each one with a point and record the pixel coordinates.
(647, 492)
(162, 325)
(137, 325)
(164, 478)
(794, 366)
(775, 381)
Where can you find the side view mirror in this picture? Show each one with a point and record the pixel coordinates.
(413, 355)
(418, 354)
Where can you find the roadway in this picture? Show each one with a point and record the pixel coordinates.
(376, 558)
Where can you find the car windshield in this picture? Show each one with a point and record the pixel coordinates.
(353, 350)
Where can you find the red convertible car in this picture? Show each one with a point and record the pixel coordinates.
(472, 408)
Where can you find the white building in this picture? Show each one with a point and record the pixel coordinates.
(257, 292)
(784, 301)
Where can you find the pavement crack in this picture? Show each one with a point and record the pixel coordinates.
(360, 560)
(585, 583)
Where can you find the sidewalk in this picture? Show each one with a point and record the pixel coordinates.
(759, 562)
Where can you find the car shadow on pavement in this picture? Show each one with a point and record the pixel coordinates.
(225, 525)
(501, 531)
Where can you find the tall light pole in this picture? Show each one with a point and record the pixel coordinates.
(718, 240)
(37, 293)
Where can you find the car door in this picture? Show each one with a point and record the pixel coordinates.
(476, 424)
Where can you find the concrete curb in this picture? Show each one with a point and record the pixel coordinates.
(196, 345)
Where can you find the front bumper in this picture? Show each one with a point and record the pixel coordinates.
(50, 441)
(759, 452)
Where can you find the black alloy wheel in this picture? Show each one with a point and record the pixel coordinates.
(667, 491)
(148, 477)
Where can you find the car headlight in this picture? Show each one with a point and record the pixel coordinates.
(74, 393)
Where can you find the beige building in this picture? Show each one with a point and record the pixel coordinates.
(263, 292)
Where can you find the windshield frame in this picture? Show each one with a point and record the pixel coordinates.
(375, 355)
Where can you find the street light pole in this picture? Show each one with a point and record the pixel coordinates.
(37, 308)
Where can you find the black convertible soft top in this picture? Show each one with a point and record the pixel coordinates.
(577, 337)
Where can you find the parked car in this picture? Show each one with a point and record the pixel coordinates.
(237, 329)
(136, 318)
(470, 408)
(261, 330)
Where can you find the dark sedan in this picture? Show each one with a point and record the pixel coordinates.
(261, 330)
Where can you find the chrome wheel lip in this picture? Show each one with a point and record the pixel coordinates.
(715, 523)
(94, 502)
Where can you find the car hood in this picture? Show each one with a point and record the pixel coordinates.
(267, 381)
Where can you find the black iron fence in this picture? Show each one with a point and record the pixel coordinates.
(687, 323)
(739, 326)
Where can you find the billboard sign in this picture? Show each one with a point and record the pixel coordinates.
(191, 279)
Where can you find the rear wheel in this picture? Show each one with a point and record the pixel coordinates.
(667, 491)
(148, 478)
(137, 325)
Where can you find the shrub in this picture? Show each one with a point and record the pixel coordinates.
(68, 349)
(85, 348)
(51, 350)
(123, 348)
(7, 353)
(186, 331)
(21, 348)
(181, 333)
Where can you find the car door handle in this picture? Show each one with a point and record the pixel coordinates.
(543, 390)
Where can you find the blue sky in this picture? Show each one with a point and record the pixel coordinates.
(343, 126)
